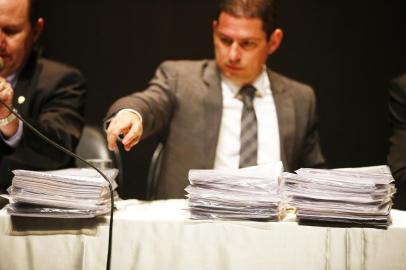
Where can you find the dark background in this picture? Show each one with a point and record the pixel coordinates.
(347, 50)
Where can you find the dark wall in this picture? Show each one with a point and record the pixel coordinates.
(347, 50)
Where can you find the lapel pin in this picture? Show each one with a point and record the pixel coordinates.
(21, 100)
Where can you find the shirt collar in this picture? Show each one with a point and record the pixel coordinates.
(261, 83)
(12, 79)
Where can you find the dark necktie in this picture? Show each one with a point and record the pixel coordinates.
(249, 136)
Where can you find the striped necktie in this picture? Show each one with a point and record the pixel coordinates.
(249, 132)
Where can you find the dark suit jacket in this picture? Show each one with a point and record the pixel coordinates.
(54, 104)
(397, 150)
(185, 98)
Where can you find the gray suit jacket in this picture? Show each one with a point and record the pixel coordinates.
(185, 98)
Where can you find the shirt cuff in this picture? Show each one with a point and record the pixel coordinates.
(107, 122)
(15, 139)
(131, 110)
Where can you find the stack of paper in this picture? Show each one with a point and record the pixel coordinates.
(249, 193)
(353, 196)
(68, 193)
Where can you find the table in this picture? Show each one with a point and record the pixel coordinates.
(159, 235)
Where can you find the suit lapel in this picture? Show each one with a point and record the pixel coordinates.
(286, 118)
(22, 91)
(213, 113)
(213, 103)
(20, 94)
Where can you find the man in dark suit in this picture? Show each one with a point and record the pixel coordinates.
(397, 150)
(47, 94)
(201, 107)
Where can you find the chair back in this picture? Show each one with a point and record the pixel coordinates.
(153, 172)
(93, 145)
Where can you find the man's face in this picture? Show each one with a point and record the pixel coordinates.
(241, 47)
(16, 35)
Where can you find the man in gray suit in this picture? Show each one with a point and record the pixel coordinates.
(199, 104)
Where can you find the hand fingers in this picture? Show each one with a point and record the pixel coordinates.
(130, 145)
(111, 141)
(127, 125)
(132, 137)
(134, 133)
(113, 132)
(2, 83)
(6, 92)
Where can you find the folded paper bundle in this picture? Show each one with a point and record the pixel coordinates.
(67, 193)
(250, 193)
(359, 196)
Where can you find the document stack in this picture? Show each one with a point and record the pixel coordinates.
(68, 193)
(361, 197)
(251, 193)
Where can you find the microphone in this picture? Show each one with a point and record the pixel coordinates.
(69, 153)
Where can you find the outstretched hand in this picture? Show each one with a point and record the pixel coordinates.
(126, 125)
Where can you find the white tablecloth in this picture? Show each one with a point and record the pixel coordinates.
(158, 235)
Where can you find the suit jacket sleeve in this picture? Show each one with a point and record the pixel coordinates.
(311, 155)
(5, 149)
(397, 150)
(156, 103)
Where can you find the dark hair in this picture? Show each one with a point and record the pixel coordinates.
(33, 12)
(263, 9)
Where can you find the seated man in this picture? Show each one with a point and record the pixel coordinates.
(47, 94)
(397, 150)
(228, 113)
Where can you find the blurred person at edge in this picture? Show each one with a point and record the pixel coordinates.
(48, 94)
(397, 149)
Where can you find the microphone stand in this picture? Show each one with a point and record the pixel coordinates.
(66, 151)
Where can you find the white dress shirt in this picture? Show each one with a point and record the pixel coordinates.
(228, 147)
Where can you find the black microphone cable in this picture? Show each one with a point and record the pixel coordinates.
(66, 151)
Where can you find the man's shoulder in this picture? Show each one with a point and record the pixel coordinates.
(48, 66)
(50, 73)
(187, 65)
(45, 73)
(281, 83)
